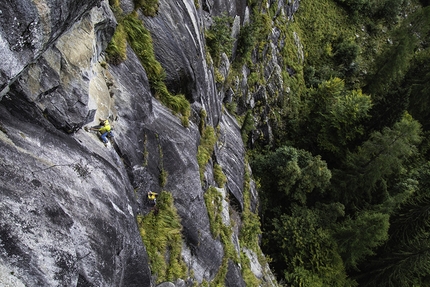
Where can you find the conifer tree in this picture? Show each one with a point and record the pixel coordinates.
(307, 255)
(358, 238)
(404, 260)
(365, 177)
(383, 85)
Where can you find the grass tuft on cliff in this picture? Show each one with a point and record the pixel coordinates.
(213, 200)
(250, 230)
(219, 176)
(161, 234)
(205, 150)
(132, 31)
(140, 41)
(116, 50)
(214, 205)
(148, 7)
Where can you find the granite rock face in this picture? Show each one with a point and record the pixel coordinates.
(69, 204)
(28, 28)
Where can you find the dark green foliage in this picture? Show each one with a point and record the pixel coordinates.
(219, 39)
(407, 267)
(388, 9)
(310, 77)
(245, 42)
(361, 181)
(308, 254)
(358, 238)
(332, 119)
(290, 175)
(247, 126)
(387, 84)
(368, 213)
(357, 5)
(412, 219)
(340, 115)
(391, 10)
(345, 55)
(405, 258)
(392, 65)
(418, 81)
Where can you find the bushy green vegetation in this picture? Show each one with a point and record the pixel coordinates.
(149, 7)
(219, 176)
(205, 149)
(161, 234)
(219, 39)
(250, 230)
(213, 199)
(247, 126)
(220, 230)
(344, 175)
(116, 51)
(404, 258)
(388, 9)
(329, 41)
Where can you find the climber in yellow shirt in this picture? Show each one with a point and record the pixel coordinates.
(104, 131)
(152, 196)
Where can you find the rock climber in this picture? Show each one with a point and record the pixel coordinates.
(104, 129)
(152, 196)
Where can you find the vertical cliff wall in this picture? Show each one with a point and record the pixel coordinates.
(68, 203)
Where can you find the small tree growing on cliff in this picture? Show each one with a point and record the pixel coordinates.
(219, 39)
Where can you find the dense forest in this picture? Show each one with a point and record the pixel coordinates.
(343, 183)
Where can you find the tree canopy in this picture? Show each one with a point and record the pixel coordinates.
(343, 188)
